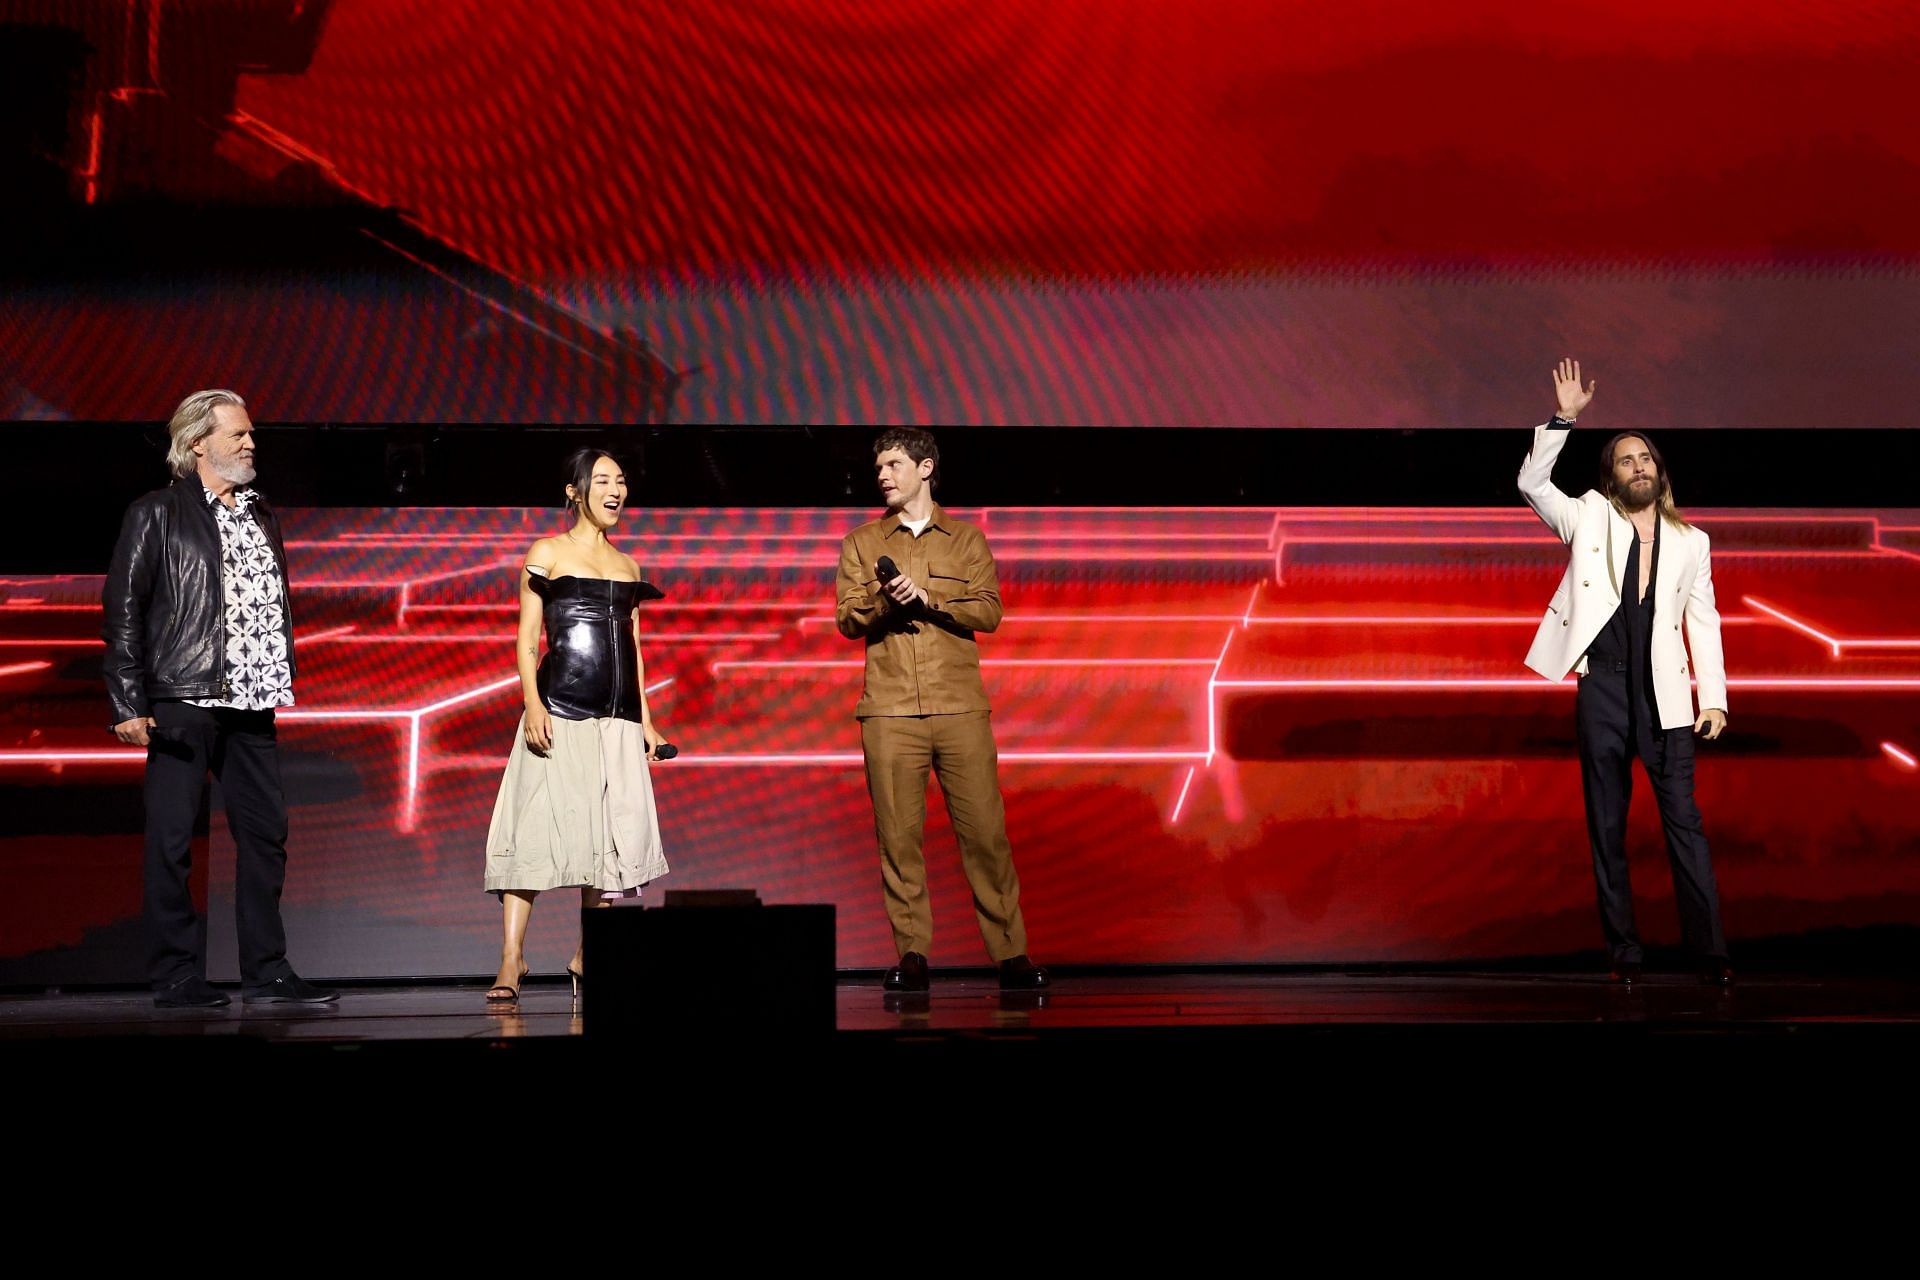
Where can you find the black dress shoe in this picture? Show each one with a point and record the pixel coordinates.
(292, 989)
(1625, 975)
(1716, 973)
(1017, 973)
(909, 975)
(190, 993)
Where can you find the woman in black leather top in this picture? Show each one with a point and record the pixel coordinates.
(576, 804)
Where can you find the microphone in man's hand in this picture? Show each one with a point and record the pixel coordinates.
(886, 570)
(665, 751)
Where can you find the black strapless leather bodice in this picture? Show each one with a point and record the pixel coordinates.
(591, 668)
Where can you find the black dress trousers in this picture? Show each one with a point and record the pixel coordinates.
(1614, 723)
(240, 749)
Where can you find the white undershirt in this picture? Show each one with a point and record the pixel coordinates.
(918, 526)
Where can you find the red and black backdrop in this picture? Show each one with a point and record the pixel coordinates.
(1292, 731)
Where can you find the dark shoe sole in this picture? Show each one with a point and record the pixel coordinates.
(329, 998)
(221, 1003)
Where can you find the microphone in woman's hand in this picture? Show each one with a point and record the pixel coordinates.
(665, 751)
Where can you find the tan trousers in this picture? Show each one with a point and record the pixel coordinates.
(959, 749)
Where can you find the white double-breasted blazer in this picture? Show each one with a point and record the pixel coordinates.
(1599, 538)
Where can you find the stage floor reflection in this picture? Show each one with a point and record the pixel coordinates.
(1159, 1005)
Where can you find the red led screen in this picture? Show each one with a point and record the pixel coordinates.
(1104, 212)
(1226, 736)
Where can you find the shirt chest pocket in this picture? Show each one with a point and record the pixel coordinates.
(950, 575)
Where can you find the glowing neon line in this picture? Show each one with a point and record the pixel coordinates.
(1834, 643)
(1213, 682)
(471, 694)
(1042, 619)
(92, 172)
(751, 759)
(1548, 544)
(856, 664)
(71, 757)
(1394, 620)
(507, 637)
(329, 584)
(1430, 620)
(1182, 800)
(415, 719)
(1424, 540)
(22, 668)
(332, 633)
(1041, 535)
(1904, 757)
(1792, 622)
(1807, 683)
(748, 560)
(355, 541)
(410, 808)
(736, 607)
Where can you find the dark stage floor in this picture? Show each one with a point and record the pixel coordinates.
(1107, 1072)
(1159, 1006)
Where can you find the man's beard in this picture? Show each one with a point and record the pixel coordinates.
(1634, 498)
(234, 470)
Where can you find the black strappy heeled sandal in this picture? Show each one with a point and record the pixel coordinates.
(513, 993)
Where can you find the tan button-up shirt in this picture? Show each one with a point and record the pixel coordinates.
(921, 660)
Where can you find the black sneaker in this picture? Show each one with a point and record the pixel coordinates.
(292, 989)
(191, 992)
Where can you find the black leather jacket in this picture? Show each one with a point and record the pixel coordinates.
(165, 600)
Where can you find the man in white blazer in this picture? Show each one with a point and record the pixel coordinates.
(1638, 572)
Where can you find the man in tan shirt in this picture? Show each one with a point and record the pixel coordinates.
(916, 585)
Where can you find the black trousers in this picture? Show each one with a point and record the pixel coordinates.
(1608, 744)
(240, 749)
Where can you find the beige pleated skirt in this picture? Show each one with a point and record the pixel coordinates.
(580, 814)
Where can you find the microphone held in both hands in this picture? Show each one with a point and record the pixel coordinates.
(886, 571)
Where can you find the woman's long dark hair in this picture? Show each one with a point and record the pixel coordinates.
(579, 471)
(1663, 489)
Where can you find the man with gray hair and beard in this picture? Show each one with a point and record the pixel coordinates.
(199, 636)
